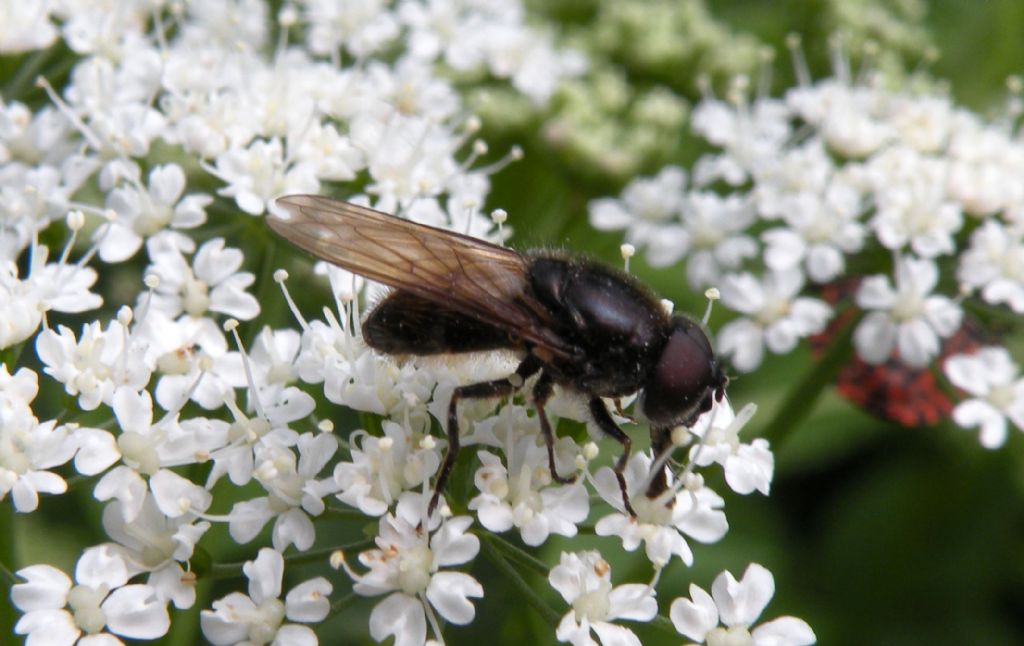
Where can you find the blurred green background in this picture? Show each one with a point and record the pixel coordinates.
(876, 534)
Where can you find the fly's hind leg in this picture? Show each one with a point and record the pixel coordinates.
(541, 393)
(599, 412)
(482, 390)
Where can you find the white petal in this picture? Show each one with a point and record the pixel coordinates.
(45, 588)
(742, 341)
(694, 619)
(265, 575)
(633, 601)
(448, 592)
(402, 616)
(875, 337)
(976, 412)
(612, 635)
(97, 450)
(100, 565)
(784, 631)
(917, 343)
(175, 495)
(293, 527)
(133, 611)
(741, 602)
(292, 635)
(751, 468)
(48, 628)
(308, 602)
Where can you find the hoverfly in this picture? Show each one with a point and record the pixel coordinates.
(572, 322)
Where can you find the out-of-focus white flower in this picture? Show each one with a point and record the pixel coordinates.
(259, 173)
(737, 604)
(908, 318)
(259, 617)
(584, 581)
(991, 376)
(994, 263)
(775, 316)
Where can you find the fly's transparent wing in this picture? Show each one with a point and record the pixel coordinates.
(482, 280)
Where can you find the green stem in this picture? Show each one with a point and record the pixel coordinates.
(7, 561)
(343, 603)
(231, 570)
(805, 393)
(517, 554)
(512, 575)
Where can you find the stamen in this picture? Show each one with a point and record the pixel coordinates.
(796, 54)
(231, 325)
(469, 206)
(628, 251)
(766, 64)
(280, 276)
(90, 136)
(514, 154)
(840, 64)
(75, 220)
(499, 217)
(712, 294)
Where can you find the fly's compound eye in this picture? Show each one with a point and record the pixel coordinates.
(684, 375)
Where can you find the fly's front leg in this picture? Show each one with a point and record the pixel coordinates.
(604, 421)
(661, 441)
(541, 393)
(482, 390)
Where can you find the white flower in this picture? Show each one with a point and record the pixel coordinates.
(584, 581)
(994, 263)
(259, 617)
(660, 523)
(520, 496)
(821, 231)
(649, 210)
(991, 376)
(142, 212)
(212, 283)
(28, 448)
(907, 318)
(916, 211)
(361, 28)
(407, 563)
(748, 467)
(776, 316)
(83, 366)
(258, 174)
(24, 27)
(737, 604)
(98, 603)
(383, 467)
(294, 493)
(157, 544)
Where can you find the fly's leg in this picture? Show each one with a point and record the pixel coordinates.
(541, 393)
(661, 441)
(604, 421)
(482, 390)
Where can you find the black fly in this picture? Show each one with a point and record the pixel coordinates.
(579, 324)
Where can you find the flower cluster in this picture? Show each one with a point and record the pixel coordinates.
(923, 198)
(176, 126)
